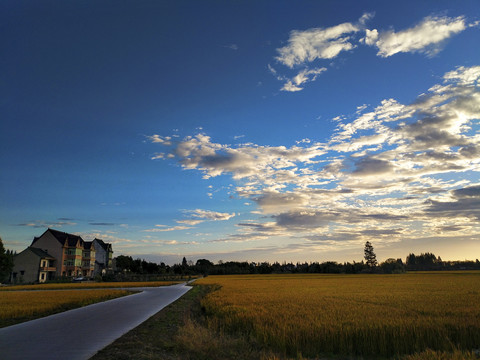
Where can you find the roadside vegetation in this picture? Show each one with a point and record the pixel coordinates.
(180, 332)
(20, 306)
(421, 316)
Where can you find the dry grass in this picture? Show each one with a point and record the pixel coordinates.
(361, 315)
(442, 355)
(19, 306)
(90, 285)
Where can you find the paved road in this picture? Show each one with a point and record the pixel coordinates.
(80, 333)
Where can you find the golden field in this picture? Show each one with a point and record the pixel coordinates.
(18, 306)
(90, 285)
(318, 314)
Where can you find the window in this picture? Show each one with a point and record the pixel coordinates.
(42, 277)
(22, 272)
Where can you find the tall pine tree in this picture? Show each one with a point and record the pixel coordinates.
(369, 255)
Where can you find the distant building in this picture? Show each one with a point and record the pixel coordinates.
(103, 256)
(73, 255)
(33, 265)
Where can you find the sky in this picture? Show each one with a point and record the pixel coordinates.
(243, 130)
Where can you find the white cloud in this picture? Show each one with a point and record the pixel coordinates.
(190, 222)
(290, 87)
(209, 215)
(301, 78)
(381, 174)
(315, 44)
(165, 140)
(318, 43)
(464, 76)
(309, 45)
(426, 37)
(163, 228)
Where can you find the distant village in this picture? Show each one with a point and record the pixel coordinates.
(57, 254)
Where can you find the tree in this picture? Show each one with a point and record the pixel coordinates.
(124, 263)
(392, 266)
(6, 263)
(370, 257)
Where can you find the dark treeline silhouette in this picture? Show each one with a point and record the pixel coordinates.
(422, 262)
(429, 262)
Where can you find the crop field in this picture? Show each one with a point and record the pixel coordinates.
(90, 285)
(363, 315)
(18, 306)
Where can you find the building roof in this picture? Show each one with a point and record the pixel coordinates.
(87, 245)
(63, 238)
(40, 253)
(104, 245)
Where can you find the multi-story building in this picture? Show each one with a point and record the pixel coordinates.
(74, 256)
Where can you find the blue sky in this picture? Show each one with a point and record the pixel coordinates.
(243, 130)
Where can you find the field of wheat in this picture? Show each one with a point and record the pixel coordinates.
(383, 315)
(90, 285)
(18, 306)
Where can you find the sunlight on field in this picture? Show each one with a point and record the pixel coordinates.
(350, 314)
(16, 306)
(91, 285)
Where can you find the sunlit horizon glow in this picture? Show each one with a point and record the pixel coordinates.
(298, 145)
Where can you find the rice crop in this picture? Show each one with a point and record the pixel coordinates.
(90, 285)
(18, 306)
(383, 315)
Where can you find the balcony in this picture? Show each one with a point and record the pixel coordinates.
(48, 268)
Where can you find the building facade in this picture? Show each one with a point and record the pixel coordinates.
(103, 256)
(74, 256)
(33, 265)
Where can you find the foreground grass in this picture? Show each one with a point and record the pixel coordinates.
(90, 285)
(17, 307)
(179, 332)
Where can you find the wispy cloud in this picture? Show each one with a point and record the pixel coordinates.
(202, 215)
(232, 46)
(164, 228)
(301, 78)
(426, 37)
(318, 43)
(38, 224)
(314, 45)
(309, 45)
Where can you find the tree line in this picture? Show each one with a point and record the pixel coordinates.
(128, 265)
(423, 262)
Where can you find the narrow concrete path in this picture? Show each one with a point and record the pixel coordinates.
(80, 333)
